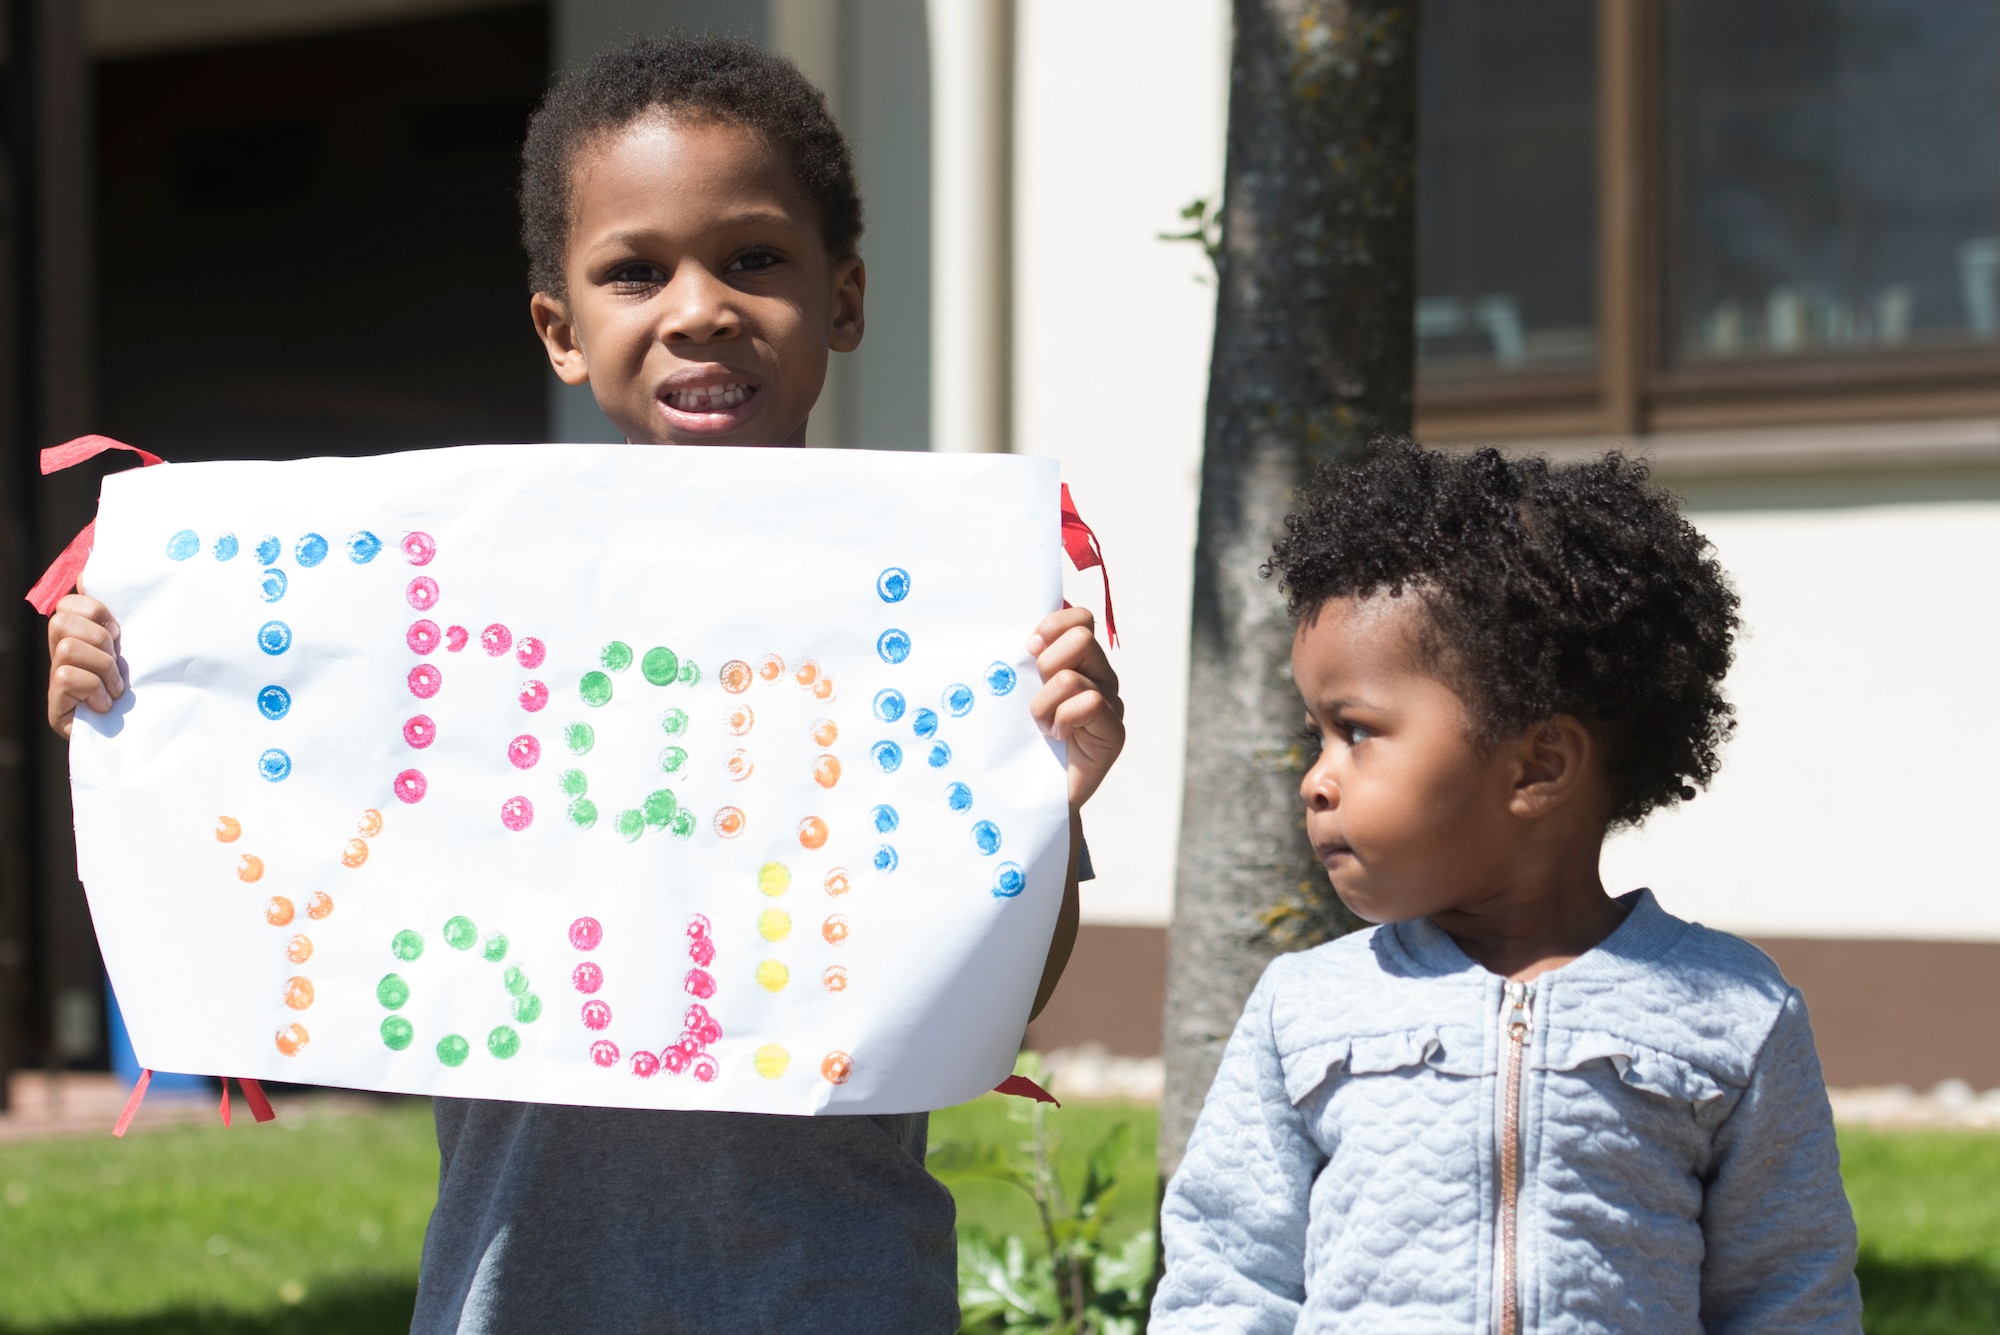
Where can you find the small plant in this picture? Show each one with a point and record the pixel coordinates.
(1204, 228)
(1078, 1286)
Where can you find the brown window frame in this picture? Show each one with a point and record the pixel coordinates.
(1634, 391)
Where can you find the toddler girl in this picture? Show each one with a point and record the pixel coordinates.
(1517, 1104)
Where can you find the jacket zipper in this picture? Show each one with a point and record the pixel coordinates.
(1517, 1018)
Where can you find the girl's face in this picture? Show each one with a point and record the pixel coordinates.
(702, 301)
(1409, 813)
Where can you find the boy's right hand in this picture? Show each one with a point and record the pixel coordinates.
(83, 660)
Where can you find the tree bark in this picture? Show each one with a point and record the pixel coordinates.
(1314, 349)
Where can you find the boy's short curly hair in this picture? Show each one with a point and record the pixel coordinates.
(1547, 590)
(702, 78)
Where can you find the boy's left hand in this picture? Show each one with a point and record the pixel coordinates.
(1078, 703)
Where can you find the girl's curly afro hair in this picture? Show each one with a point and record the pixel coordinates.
(1547, 590)
(700, 78)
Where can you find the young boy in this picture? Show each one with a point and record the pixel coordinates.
(690, 216)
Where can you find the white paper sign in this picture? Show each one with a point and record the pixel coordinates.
(629, 776)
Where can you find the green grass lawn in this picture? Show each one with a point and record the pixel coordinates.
(316, 1226)
(1928, 1207)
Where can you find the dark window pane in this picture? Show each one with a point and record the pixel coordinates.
(1507, 182)
(1831, 176)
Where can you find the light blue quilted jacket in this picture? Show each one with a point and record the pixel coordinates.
(1674, 1168)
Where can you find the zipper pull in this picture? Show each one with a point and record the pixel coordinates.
(1520, 1011)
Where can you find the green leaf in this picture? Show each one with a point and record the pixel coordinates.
(1105, 1161)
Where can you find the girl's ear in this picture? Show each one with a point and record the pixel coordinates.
(1554, 764)
(558, 334)
(850, 282)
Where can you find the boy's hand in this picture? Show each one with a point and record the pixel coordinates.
(1078, 703)
(83, 660)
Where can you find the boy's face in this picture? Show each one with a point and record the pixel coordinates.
(702, 301)
(1410, 814)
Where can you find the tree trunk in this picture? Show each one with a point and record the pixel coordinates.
(1314, 349)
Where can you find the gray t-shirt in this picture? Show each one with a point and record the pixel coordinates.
(607, 1220)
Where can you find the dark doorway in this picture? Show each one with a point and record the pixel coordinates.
(309, 246)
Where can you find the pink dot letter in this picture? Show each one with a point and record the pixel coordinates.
(604, 1052)
(517, 813)
(702, 951)
(419, 548)
(587, 977)
(419, 731)
(496, 639)
(534, 696)
(645, 1065)
(697, 927)
(423, 593)
(524, 751)
(704, 1069)
(699, 984)
(423, 636)
(585, 933)
(454, 638)
(411, 785)
(596, 1015)
(425, 680)
(531, 652)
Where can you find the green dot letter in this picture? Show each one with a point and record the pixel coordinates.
(660, 666)
(459, 933)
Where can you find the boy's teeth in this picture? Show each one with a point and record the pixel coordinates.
(708, 398)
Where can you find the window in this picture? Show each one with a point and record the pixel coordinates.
(1830, 177)
(1645, 215)
(1507, 183)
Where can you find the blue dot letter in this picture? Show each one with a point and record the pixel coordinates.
(987, 836)
(888, 756)
(958, 797)
(274, 637)
(225, 547)
(274, 764)
(268, 549)
(894, 646)
(183, 545)
(273, 586)
(893, 584)
(885, 819)
(362, 547)
(925, 722)
(888, 705)
(274, 702)
(1009, 880)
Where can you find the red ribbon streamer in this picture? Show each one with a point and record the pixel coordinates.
(132, 1103)
(61, 577)
(1023, 1088)
(1086, 551)
(253, 1094)
(70, 453)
